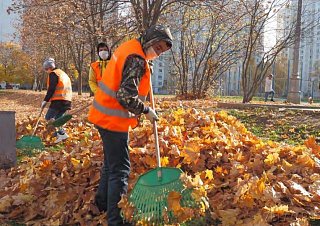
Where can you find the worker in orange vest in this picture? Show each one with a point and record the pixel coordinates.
(97, 68)
(59, 93)
(117, 104)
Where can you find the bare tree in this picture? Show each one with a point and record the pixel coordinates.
(257, 60)
(208, 44)
(66, 30)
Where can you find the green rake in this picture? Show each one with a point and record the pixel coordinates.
(66, 117)
(150, 193)
(31, 142)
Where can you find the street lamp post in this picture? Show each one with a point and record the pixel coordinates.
(294, 83)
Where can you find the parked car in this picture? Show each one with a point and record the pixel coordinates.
(9, 86)
(16, 86)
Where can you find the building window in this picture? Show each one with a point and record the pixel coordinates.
(160, 77)
(160, 70)
(160, 83)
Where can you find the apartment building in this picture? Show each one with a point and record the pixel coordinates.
(161, 74)
(309, 58)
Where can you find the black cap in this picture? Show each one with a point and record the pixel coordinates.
(155, 34)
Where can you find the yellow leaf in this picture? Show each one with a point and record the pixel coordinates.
(278, 210)
(272, 159)
(287, 166)
(261, 185)
(86, 163)
(75, 162)
(198, 193)
(164, 161)
(209, 174)
(219, 170)
(29, 127)
(305, 160)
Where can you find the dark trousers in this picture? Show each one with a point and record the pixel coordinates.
(267, 94)
(114, 174)
(53, 113)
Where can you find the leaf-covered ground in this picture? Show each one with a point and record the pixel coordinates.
(247, 180)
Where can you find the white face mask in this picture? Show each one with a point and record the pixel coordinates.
(151, 54)
(104, 55)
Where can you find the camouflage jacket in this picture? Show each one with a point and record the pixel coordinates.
(127, 95)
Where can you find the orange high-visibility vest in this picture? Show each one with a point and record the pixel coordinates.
(97, 70)
(63, 89)
(106, 112)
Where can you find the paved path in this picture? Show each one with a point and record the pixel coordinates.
(280, 106)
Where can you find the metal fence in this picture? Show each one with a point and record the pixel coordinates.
(228, 87)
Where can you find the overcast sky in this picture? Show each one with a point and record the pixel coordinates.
(6, 22)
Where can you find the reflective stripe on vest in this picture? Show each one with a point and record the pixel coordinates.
(112, 112)
(113, 94)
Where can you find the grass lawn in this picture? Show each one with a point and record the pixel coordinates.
(289, 126)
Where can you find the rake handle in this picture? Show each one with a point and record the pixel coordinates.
(155, 130)
(35, 128)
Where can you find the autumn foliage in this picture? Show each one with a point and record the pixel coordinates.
(247, 181)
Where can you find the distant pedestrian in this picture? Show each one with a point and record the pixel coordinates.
(268, 88)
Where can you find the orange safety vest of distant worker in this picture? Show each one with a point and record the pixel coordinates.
(106, 112)
(96, 66)
(63, 89)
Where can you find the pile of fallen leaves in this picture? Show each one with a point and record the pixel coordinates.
(247, 181)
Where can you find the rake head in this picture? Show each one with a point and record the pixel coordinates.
(29, 143)
(150, 195)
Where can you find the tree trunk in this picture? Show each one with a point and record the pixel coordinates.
(79, 83)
